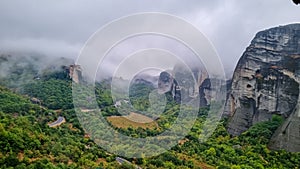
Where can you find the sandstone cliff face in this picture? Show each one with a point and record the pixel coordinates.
(266, 82)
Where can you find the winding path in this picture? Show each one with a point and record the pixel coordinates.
(58, 122)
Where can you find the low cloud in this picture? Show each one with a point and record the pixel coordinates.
(61, 29)
(46, 47)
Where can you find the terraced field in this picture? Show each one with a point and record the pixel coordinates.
(133, 120)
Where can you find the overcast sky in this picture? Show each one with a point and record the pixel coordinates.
(60, 28)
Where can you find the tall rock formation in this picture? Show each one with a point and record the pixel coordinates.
(265, 83)
(165, 82)
(74, 72)
(185, 84)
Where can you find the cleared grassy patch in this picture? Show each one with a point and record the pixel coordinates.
(133, 120)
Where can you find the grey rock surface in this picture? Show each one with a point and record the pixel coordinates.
(265, 83)
(184, 84)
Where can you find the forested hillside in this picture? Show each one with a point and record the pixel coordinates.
(28, 142)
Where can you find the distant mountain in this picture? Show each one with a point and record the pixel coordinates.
(19, 69)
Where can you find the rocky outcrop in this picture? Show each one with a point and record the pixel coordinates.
(74, 72)
(204, 92)
(265, 83)
(165, 82)
(183, 85)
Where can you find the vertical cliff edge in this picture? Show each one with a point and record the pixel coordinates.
(266, 82)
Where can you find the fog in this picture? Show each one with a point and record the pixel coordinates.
(60, 29)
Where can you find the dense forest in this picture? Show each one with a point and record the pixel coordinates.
(27, 141)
